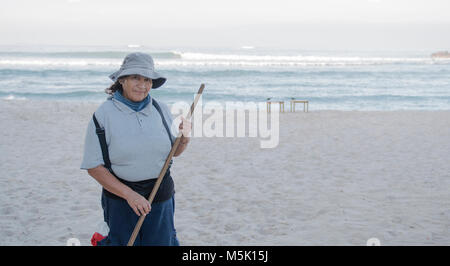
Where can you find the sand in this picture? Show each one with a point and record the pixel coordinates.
(335, 178)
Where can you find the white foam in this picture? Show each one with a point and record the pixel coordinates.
(211, 59)
(58, 62)
(12, 98)
(296, 58)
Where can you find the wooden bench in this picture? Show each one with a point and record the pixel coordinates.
(281, 103)
(305, 105)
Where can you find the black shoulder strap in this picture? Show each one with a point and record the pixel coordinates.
(102, 139)
(163, 120)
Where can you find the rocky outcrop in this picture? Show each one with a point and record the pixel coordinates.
(441, 54)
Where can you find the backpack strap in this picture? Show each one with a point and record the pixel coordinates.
(163, 120)
(102, 139)
(165, 125)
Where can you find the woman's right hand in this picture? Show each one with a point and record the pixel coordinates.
(139, 204)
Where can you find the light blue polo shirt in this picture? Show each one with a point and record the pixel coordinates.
(138, 142)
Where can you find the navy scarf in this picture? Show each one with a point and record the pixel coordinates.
(136, 106)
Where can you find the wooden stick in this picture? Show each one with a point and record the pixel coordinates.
(164, 169)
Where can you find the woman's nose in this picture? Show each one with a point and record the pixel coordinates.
(141, 84)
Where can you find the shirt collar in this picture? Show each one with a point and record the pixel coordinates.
(124, 108)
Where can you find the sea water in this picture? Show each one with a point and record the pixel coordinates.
(329, 80)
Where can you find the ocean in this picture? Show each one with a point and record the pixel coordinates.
(329, 80)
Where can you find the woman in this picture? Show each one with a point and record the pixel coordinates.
(126, 145)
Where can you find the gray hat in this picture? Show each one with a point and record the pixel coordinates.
(139, 64)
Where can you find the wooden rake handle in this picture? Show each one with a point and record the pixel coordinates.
(164, 169)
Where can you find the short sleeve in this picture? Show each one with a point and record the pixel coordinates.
(92, 156)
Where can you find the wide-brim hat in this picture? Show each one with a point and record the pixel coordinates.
(139, 64)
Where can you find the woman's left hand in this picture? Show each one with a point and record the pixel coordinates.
(185, 127)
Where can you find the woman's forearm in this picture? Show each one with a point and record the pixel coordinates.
(110, 182)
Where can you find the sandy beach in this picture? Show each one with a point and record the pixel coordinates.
(335, 178)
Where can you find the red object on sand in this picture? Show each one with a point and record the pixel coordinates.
(96, 237)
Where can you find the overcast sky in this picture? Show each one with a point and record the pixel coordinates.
(320, 24)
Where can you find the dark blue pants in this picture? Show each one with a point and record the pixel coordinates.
(157, 230)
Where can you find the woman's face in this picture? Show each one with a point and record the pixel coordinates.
(136, 87)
